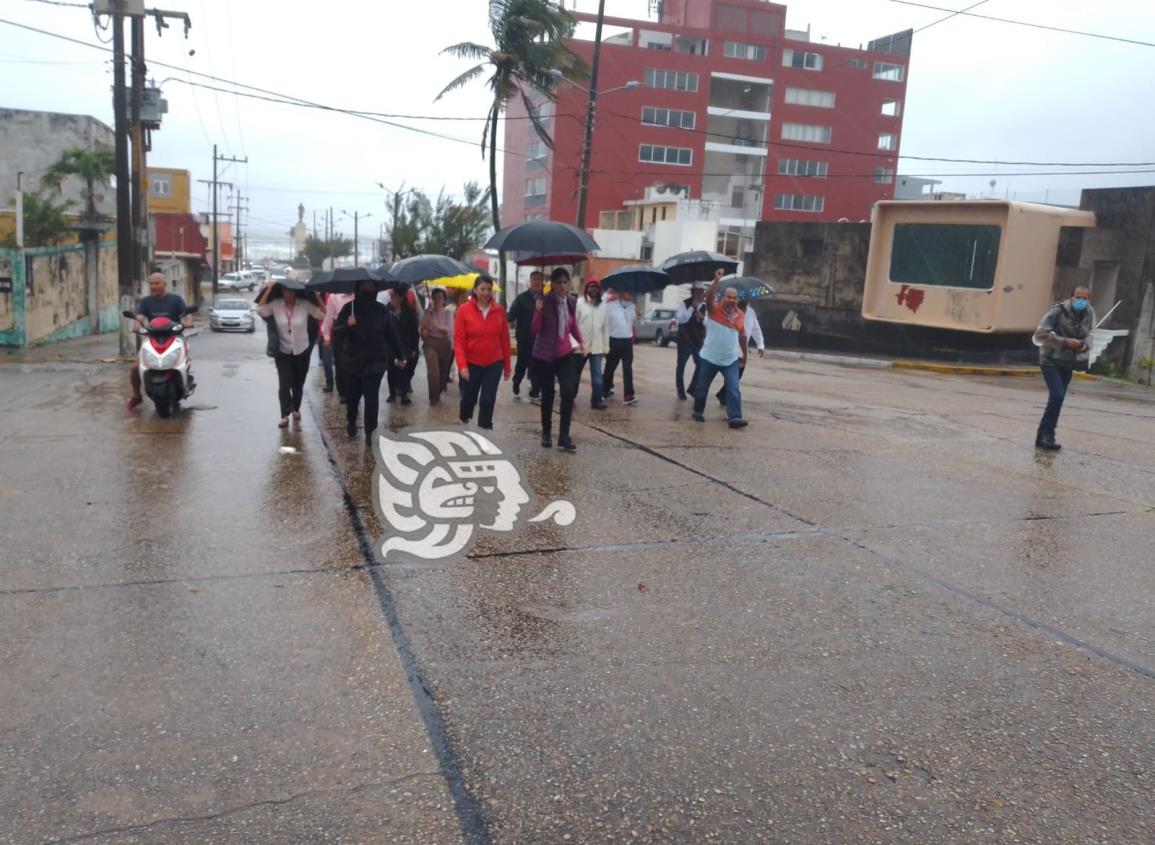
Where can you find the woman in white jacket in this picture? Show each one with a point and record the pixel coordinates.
(595, 329)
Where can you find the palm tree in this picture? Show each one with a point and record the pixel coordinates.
(94, 166)
(530, 50)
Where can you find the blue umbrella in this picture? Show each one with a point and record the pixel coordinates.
(636, 279)
(748, 287)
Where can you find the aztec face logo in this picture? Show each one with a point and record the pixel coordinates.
(435, 488)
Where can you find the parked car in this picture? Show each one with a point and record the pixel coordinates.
(656, 324)
(239, 280)
(232, 315)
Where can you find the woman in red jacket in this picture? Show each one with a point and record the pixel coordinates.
(481, 346)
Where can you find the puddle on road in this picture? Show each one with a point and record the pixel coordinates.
(199, 407)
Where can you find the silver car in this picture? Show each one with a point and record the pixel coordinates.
(655, 326)
(232, 315)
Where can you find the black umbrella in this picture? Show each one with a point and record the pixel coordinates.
(697, 266)
(347, 279)
(636, 279)
(426, 268)
(544, 242)
(295, 286)
(748, 287)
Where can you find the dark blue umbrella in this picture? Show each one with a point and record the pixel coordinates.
(748, 287)
(636, 279)
(698, 266)
(347, 279)
(544, 242)
(426, 268)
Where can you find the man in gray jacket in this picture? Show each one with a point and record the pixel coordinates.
(1064, 344)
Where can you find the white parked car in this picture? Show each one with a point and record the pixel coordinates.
(240, 280)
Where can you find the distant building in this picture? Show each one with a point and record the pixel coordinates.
(169, 190)
(915, 188)
(746, 116)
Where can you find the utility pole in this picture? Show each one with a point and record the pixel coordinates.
(124, 265)
(19, 210)
(139, 213)
(239, 243)
(587, 147)
(216, 229)
(356, 251)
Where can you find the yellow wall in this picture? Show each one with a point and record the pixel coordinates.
(8, 226)
(169, 190)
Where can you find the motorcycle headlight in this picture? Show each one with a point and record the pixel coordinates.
(169, 359)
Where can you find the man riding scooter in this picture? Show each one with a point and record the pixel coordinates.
(158, 303)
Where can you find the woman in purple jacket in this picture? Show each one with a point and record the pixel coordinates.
(555, 328)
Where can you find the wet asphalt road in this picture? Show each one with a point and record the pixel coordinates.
(874, 616)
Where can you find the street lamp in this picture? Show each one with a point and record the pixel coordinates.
(357, 218)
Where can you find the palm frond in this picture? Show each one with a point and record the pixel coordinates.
(469, 50)
(462, 80)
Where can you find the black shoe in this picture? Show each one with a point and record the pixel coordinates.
(609, 392)
(629, 400)
(351, 429)
(328, 388)
(682, 396)
(600, 406)
(546, 442)
(405, 400)
(486, 427)
(341, 399)
(390, 399)
(697, 417)
(516, 389)
(566, 445)
(535, 394)
(369, 436)
(1048, 444)
(738, 423)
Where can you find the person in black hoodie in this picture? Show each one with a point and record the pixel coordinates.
(691, 316)
(408, 325)
(521, 318)
(369, 345)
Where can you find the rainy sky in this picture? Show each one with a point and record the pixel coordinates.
(978, 89)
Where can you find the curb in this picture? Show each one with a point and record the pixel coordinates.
(914, 364)
(964, 369)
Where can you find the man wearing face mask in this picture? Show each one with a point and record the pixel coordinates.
(1063, 338)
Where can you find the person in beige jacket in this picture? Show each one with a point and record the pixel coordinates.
(595, 328)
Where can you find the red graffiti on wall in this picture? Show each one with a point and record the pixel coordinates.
(911, 297)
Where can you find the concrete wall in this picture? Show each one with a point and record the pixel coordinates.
(818, 265)
(32, 142)
(52, 288)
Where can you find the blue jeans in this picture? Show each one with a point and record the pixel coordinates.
(706, 372)
(1057, 382)
(596, 380)
(326, 362)
(684, 354)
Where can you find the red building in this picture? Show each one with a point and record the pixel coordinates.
(752, 118)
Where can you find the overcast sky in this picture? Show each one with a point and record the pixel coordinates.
(977, 90)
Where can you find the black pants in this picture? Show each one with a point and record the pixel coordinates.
(524, 366)
(685, 353)
(292, 370)
(1058, 380)
(564, 371)
(400, 379)
(368, 386)
(621, 351)
(482, 382)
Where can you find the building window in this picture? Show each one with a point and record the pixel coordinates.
(883, 175)
(802, 59)
(892, 108)
(657, 45)
(675, 80)
(668, 117)
(860, 64)
(887, 141)
(799, 202)
(809, 97)
(801, 167)
(738, 50)
(535, 150)
(806, 132)
(887, 71)
(953, 255)
(535, 191)
(666, 155)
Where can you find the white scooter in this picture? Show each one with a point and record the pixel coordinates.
(164, 362)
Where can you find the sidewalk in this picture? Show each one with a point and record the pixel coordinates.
(92, 349)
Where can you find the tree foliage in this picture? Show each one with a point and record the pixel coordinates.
(317, 250)
(45, 223)
(448, 226)
(94, 167)
(529, 51)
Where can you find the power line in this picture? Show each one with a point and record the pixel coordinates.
(951, 15)
(60, 3)
(1028, 24)
(286, 99)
